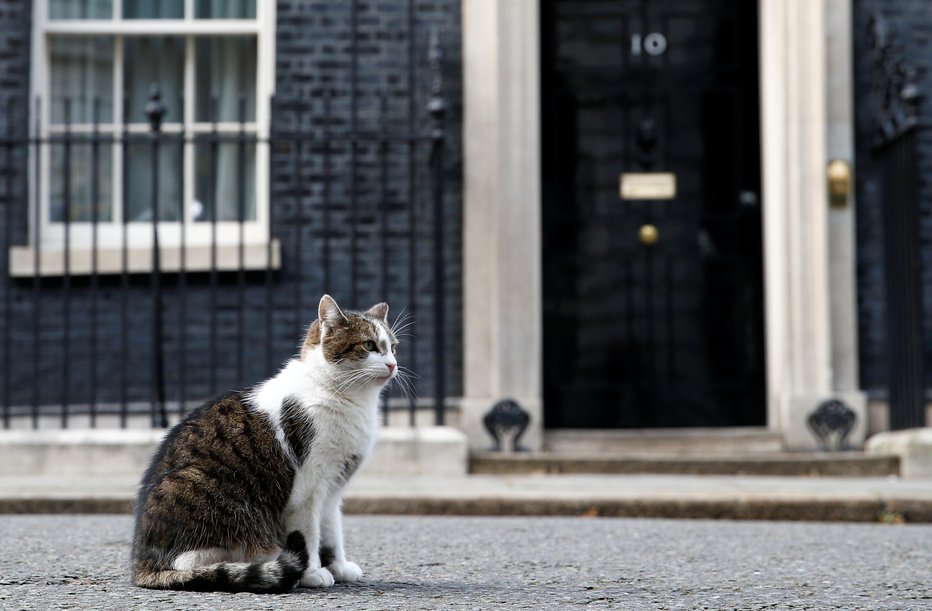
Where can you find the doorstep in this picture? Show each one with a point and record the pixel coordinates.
(409, 451)
(835, 464)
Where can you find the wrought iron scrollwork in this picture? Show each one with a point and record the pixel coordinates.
(894, 83)
(833, 418)
(504, 417)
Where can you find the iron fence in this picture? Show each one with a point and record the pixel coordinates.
(149, 304)
(899, 162)
(896, 152)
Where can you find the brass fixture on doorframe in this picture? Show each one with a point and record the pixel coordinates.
(838, 175)
(648, 235)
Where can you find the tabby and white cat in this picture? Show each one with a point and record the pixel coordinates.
(244, 494)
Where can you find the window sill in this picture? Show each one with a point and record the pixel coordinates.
(52, 262)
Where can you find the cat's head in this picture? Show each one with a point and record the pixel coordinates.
(359, 344)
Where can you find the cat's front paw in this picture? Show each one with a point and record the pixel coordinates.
(317, 578)
(345, 572)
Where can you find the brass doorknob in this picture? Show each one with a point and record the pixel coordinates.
(648, 235)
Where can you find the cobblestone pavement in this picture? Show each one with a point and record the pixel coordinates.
(81, 562)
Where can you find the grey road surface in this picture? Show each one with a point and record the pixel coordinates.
(81, 562)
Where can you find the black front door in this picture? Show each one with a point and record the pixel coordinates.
(653, 308)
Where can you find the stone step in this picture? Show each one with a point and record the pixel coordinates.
(839, 464)
(732, 441)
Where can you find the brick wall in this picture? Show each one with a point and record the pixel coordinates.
(15, 18)
(264, 313)
(912, 23)
(314, 73)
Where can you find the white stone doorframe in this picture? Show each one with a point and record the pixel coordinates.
(806, 118)
(809, 260)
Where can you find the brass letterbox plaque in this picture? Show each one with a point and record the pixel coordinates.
(648, 185)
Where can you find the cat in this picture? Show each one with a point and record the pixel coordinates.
(245, 493)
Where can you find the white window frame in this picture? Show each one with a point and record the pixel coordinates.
(136, 238)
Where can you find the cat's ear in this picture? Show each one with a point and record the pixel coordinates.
(379, 311)
(329, 313)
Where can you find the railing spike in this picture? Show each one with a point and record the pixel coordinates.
(155, 110)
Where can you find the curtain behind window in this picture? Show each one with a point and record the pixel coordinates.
(149, 60)
(225, 9)
(81, 92)
(80, 9)
(226, 75)
(153, 9)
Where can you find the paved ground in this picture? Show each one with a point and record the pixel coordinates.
(860, 499)
(80, 562)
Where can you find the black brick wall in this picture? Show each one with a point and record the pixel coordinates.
(314, 78)
(912, 24)
(15, 24)
(315, 48)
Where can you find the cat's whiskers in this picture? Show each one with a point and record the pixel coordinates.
(346, 380)
(408, 372)
(403, 315)
(407, 389)
(404, 377)
(402, 322)
(401, 331)
(341, 384)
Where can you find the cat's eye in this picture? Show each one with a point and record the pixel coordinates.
(394, 348)
(369, 345)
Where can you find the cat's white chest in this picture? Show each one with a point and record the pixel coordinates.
(342, 428)
(342, 441)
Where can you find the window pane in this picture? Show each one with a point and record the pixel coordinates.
(81, 73)
(225, 9)
(80, 192)
(149, 60)
(139, 181)
(80, 9)
(226, 177)
(226, 73)
(153, 9)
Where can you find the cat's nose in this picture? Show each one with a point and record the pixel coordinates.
(391, 367)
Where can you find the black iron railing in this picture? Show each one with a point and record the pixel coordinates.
(100, 322)
(896, 151)
(899, 161)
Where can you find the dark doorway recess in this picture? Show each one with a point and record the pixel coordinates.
(669, 333)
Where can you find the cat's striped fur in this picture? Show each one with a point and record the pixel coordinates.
(244, 494)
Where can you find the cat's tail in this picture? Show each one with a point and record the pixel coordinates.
(279, 575)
